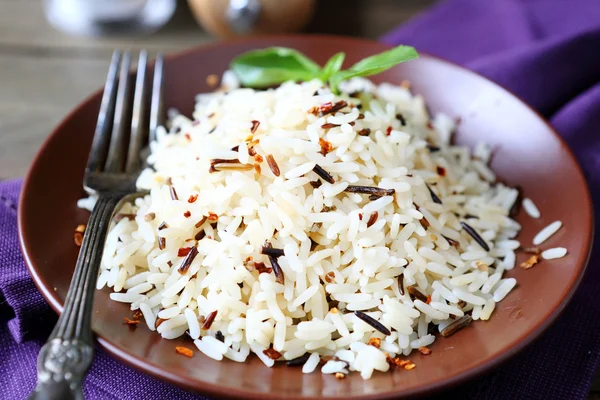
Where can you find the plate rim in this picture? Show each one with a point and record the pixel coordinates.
(214, 390)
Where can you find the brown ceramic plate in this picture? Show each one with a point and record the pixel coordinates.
(527, 152)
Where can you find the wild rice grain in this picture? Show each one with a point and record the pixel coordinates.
(416, 293)
(469, 229)
(326, 176)
(372, 219)
(209, 320)
(434, 196)
(277, 270)
(298, 361)
(187, 261)
(173, 193)
(373, 322)
(270, 251)
(273, 165)
(379, 192)
(456, 325)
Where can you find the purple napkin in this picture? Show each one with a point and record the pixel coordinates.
(546, 51)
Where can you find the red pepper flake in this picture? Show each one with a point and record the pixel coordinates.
(255, 125)
(428, 299)
(361, 116)
(262, 268)
(330, 277)
(257, 168)
(272, 353)
(397, 362)
(78, 235)
(137, 314)
(314, 111)
(326, 146)
(364, 132)
(187, 214)
(251, 151)
(441, 171)
(131, 321)
(258, 158)
(193, 198)
(360, 216)
(534, 259)
(410, 366)
(162, 242)
(183, 251)
(188, 137)
(212, 216)
(184, 351)
(425, 350)
(212, 80)
(209, 320)
(375, 342)
(388, 131)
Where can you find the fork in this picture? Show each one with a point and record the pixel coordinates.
(114, 164)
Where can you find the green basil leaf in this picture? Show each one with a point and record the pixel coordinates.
(274, 65)
(375, 64)
(333, 65)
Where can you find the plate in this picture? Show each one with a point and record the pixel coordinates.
(527, 153)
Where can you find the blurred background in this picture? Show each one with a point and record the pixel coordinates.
(54, 53)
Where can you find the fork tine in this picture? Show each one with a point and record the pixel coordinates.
(116, 150)
(156, 108)
(105, 116)
(138, 130)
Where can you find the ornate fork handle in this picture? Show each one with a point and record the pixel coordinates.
(67, 355)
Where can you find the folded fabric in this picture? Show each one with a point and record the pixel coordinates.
(546, 51)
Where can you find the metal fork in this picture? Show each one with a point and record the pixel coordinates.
(113, 166)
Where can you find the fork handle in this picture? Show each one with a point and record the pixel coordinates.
(67, 355)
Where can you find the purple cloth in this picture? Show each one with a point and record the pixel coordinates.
(544, 50)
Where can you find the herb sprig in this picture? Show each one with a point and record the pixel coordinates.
(274, 65)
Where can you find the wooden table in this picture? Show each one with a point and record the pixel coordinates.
(44, 73)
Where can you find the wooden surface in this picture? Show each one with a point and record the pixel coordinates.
(44, 73)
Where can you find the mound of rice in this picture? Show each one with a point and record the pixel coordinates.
(353, 277)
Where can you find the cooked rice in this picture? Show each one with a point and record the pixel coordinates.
(530, 208)
(556, 252)
(335, 260)
(545, 233)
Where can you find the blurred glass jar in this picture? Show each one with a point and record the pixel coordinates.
(109, 17)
